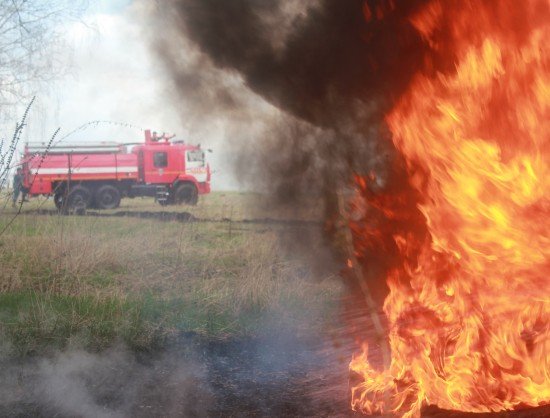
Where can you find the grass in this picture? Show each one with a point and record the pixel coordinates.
(33, 321)
(92, 282)
(226, 205)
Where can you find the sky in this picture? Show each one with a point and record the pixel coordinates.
(114, 75)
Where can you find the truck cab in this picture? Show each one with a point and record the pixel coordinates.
(180, 167)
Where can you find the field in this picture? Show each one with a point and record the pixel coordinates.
(214, 310)
(89, 282)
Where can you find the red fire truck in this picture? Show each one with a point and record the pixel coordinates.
(98, 175)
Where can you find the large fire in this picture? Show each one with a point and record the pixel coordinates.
(469, 305)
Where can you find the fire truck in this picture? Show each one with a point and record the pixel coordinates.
(98, 175)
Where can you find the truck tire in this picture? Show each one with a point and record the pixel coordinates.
(78, 200)
(187, 194)
(107, 197)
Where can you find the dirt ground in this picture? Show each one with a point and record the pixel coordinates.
(278, 374)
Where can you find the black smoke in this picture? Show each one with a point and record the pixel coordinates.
(331, 57)
(334, 68)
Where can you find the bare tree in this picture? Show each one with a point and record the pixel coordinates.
(32, 45)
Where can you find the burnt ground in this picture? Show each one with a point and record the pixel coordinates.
(274, 375)
(279, 374)
(172, 216)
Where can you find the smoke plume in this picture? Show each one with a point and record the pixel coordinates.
(331, 69)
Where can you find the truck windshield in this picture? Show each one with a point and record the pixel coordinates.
(195, 156)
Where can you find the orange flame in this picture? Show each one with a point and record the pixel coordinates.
(469, 319)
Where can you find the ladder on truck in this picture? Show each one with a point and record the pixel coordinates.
(74, 148)
(162, 195)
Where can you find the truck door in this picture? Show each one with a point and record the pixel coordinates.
(157, 167)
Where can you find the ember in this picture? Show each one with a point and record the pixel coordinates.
(469, 306)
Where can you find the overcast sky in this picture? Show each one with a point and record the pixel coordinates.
(115, 76)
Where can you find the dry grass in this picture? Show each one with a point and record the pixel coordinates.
(228, 205)
(99, 279)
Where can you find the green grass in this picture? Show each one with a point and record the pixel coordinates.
(92, 282)
(33, 322)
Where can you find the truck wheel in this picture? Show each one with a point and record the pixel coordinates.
(78, 200)
(186, 194)
(107, 197)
